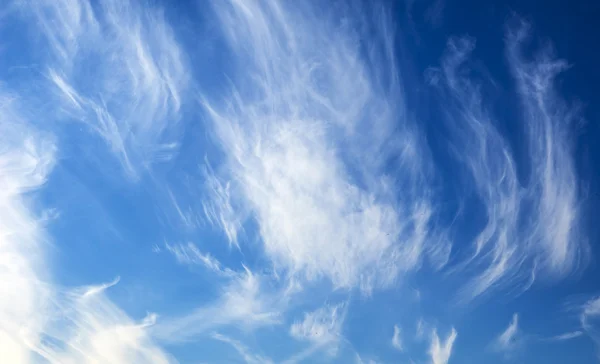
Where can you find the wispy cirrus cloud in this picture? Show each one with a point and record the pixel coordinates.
(532, 230)
(115, 66)
(243, 302)
(243, 350)
(552, 189)
(440, 352)
(320, 327)
(190, 254)
(566, 336)
(26, 159)
(87, 327)
(100, 70)
(589, 319)
(306, 128)
(39, 319)
(396, 339)
(220, 210)
(509, 339)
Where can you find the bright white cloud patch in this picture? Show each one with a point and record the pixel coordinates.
(37, 319)
(26, 159)
(89, 328)
(440, 352)
(306, 129)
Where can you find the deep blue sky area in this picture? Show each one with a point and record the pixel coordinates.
(266, 181)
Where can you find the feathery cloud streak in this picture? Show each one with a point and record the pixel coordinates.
(532, 221)
(243, 301)
(115, 66)
(190, 254)
(244, 352)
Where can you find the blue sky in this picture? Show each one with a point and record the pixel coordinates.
(271, 181)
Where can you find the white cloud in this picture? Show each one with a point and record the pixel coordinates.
(489, 164)
(89, 328)
(440, 352)
(420, 329)
(219, 210)
(242, 302)
(304, 149)
(566, 336)
(190, 254)
(360, 360)
(396, 339)
(589, 319)
(245, 353)
(308, 128)
(508, 340)
(117, 67)
(322, 326)
(26, 159)
(38, 319)
(553, 187)
(532, 219)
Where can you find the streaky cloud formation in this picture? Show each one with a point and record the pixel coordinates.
(566, 336)
(440, 352)
(396, 339)
(244, 352)
(191, 255)
(508, 340)
(553, 188)
(115, 66)
(242, 302)
(590, 320)
(219, 210)
(321, 327)
(89, 328)
(532, 230)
